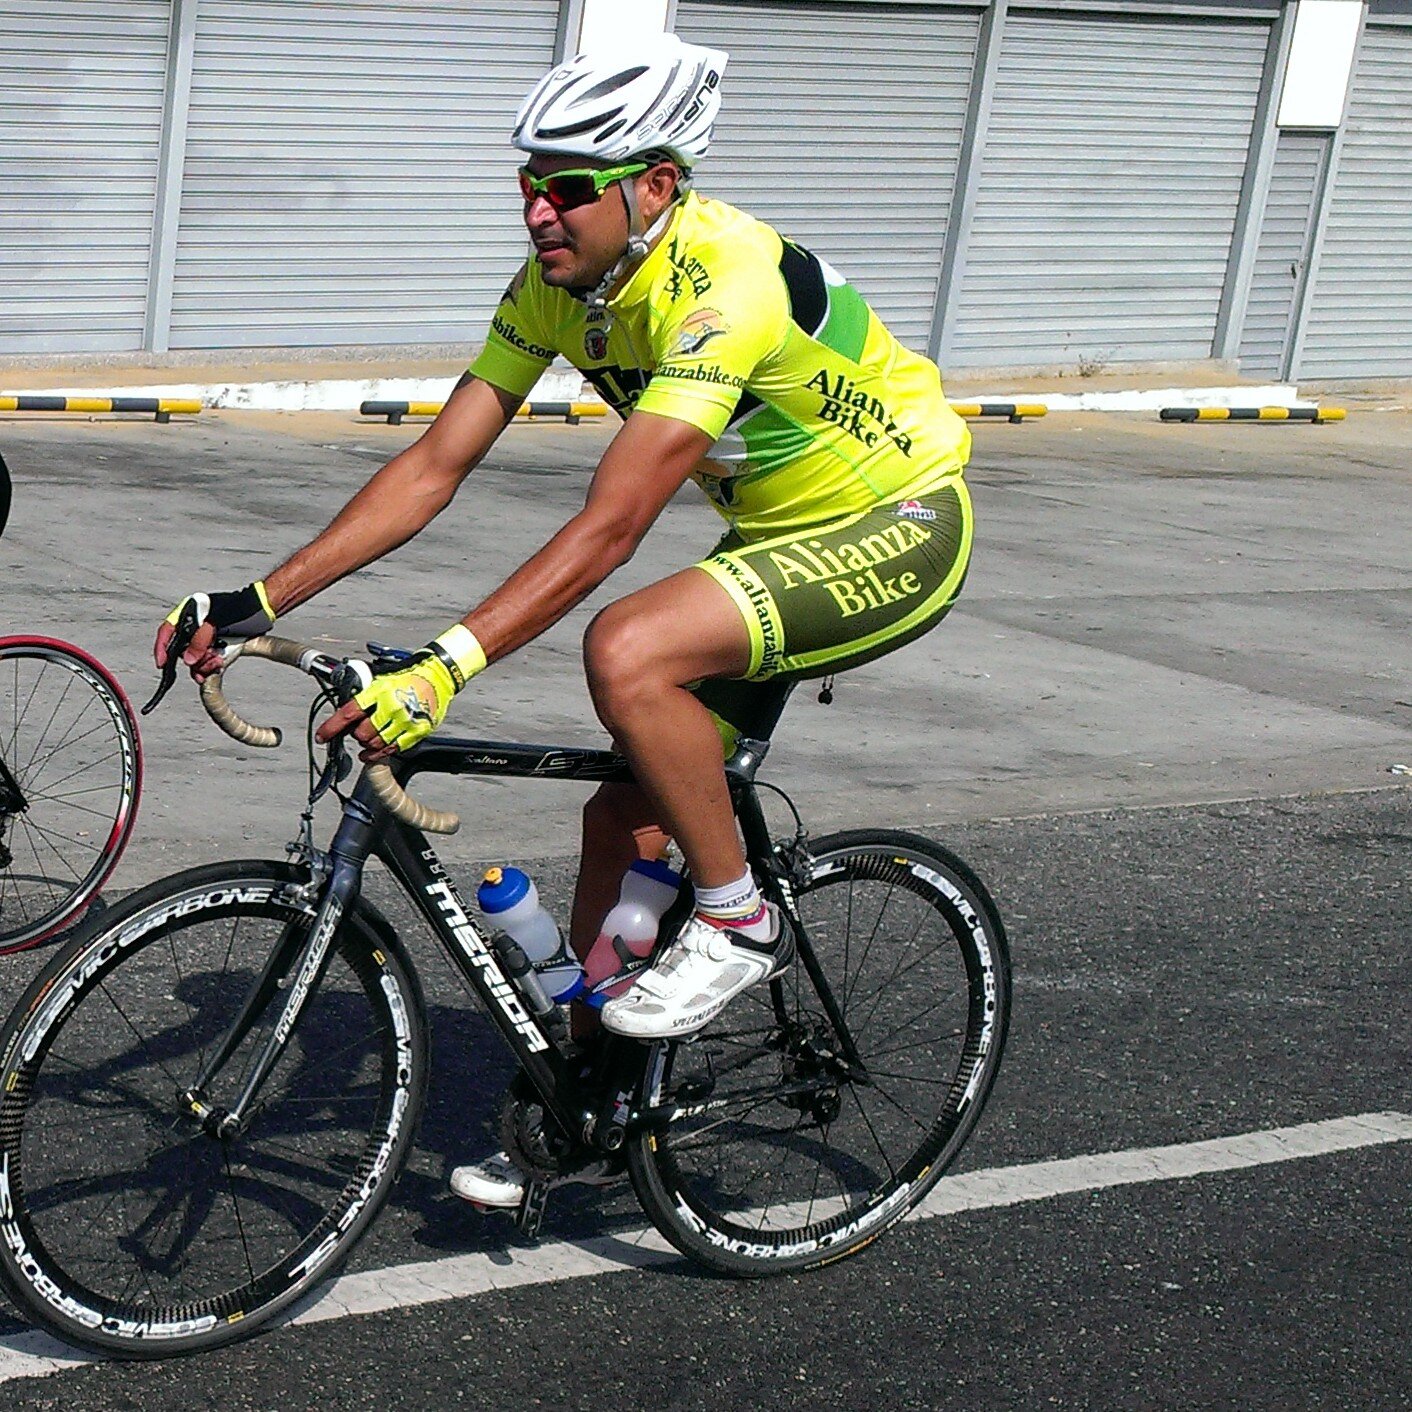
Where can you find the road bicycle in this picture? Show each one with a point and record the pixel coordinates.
(70, 780)
(206, 1101)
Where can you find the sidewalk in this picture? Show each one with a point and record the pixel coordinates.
(290, 384)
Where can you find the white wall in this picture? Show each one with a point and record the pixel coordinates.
(607, 21)
(1320, 61)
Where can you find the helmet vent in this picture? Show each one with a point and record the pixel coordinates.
(557, 134)
(611, 84)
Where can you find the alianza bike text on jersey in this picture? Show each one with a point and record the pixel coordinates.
(818, 412)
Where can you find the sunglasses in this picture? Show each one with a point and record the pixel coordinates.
(580, 186)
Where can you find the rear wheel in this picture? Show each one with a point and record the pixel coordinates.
(125, 1225)
(70, 777)
(764, 1147)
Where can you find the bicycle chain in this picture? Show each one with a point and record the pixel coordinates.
(522, 1129)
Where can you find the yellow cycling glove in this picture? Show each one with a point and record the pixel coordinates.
(405, 707)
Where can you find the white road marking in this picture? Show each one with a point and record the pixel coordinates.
(31, 1355)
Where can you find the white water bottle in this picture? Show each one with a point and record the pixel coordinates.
(629, 931)
(511, 901)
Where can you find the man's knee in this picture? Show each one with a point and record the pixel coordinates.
(620, 659)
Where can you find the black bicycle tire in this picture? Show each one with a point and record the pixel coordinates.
(28, 1271)
(724, 1246)
(69, 909)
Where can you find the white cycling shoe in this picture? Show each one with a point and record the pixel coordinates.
(700, 972)
(497, 1181)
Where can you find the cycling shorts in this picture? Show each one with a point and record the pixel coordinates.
(825, 599)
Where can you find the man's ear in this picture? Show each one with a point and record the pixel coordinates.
(660, 188)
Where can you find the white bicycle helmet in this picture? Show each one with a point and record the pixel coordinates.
(654, 94)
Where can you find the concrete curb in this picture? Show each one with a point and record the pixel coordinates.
(567, 385)
(325, 395)
(1143, 399)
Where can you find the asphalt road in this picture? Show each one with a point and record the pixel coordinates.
(1161, 725)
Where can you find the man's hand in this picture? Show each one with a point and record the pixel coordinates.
(401, 708)
(225, 616)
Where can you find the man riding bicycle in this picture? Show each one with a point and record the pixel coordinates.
(738, 359)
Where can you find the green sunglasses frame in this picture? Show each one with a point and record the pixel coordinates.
(602, 178)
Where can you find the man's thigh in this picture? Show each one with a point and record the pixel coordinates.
(836, 595)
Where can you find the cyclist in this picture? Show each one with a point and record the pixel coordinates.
(738, 359)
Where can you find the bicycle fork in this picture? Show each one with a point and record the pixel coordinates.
(300, 953)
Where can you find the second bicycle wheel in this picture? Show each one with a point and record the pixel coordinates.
(125, 1225)
(766, 1149)
(70, 778)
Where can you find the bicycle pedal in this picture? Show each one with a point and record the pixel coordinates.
(530, 1214)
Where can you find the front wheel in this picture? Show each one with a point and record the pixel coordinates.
(126, 1225)
(766, 1145)
(70, 779)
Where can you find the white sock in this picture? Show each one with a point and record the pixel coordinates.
(737, 905)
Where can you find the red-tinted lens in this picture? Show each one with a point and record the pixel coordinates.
(562, 191)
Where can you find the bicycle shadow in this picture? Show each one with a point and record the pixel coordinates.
(177, 1186)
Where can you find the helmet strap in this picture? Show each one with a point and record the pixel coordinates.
(639, 241)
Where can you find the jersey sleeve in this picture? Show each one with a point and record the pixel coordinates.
(708, 346)
(517, 347)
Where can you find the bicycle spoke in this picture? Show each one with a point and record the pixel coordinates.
(137, 1035)
(67, 741)
(104, 814)
(888, 1098)
(873, 1133)
(239, 1222)
(53, 715)
(849, 987)
(909, 1023)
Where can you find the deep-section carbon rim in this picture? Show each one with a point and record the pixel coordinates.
(124, 1226)
(69, 741)
(767, 1154)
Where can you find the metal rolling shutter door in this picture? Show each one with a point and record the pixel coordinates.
(349, 177)
(81, 93)
(1108, 190)
(1360, 317)
(1283, 248)
(841, 127)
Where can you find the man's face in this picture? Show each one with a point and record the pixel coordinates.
(575, 248)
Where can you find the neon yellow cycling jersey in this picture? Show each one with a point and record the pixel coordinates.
(818, 412)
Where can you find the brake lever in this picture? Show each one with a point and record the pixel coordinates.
(186, 625)
(337, 767)
(389, 659)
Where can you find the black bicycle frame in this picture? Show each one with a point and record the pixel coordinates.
(366, 829)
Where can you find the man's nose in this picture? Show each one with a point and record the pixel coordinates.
(539, 213)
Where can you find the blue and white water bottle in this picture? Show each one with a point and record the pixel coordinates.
(510, 901)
